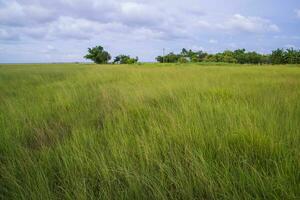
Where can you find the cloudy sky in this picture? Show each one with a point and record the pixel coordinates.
(62, 30)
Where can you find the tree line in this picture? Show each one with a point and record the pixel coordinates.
(241, 56)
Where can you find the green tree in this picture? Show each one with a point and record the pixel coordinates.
(160, 59)
(184, 52)
(124, 59)
(183, 60)
(210, 58)
(278, 57)
(253, 58)
(240, 56)
(98, 55)
(171, 58)
(292, 56)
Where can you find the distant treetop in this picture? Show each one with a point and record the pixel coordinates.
(98, 55)
(241, 56)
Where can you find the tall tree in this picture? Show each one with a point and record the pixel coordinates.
(98, 55)
(278, 57)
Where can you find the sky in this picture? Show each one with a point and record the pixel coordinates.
(38, 31)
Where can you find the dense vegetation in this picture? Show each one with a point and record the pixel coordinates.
(150, 131)
(241, 56)
(99, 56)
(124, 59)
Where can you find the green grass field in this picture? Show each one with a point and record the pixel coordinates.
(150, 131)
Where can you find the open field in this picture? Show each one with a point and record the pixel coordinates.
(151, 131)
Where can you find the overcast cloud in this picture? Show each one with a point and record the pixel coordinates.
(62, 30)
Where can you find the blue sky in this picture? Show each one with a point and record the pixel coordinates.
(62, 30)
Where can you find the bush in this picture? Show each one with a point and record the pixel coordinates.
(124, 59)
(183, 60)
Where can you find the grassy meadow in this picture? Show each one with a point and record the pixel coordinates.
(150, 131)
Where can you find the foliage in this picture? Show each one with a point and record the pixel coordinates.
(124, 59)
(192, 56)
(289, 56)
(98, 55)
(241, 56)
(169, 58)
(183, 60)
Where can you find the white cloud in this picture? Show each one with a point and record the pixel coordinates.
(82, 29)
(7, 35)
(16, 14)
(137, 26)
(73, 19)
(71, 28)
(248, 24)
(145, 33)
(11, 13)
(139, 14)
(132, 7)
(237, 24)
(203, 24)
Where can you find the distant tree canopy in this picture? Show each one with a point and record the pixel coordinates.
(184, 56)
(241, 56)
(98, 55)
(124, 59)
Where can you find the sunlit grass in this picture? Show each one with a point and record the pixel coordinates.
(153, 131)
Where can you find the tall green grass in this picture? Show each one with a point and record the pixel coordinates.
(152, 131)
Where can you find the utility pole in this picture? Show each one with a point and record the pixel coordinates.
(163, 55)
